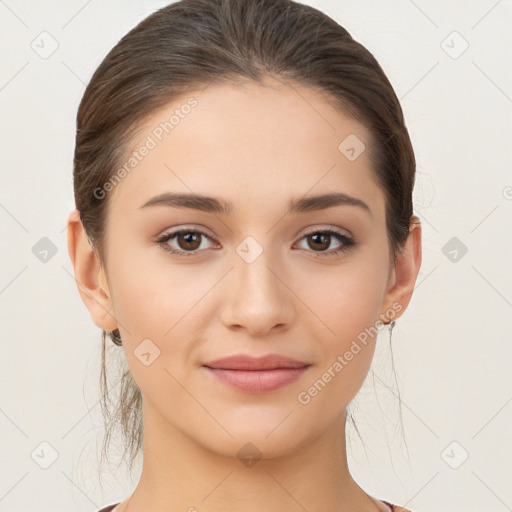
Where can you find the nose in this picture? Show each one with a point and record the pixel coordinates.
(257, 297)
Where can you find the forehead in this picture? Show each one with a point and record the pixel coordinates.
(275, 141)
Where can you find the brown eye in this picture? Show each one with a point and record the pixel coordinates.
(319, 241)
(189, 241)
(185, 242)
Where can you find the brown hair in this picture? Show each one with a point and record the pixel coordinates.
(192, 43)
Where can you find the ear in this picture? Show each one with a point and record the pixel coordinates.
(403, 275)
(89, 275)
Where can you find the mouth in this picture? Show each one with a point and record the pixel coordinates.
(256, 374)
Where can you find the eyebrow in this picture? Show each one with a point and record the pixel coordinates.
(217, 205)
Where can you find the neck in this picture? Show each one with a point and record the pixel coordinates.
(179, 474)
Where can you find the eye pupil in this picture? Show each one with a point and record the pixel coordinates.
(190, 238)
(317, 239)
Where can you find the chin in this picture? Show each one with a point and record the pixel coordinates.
(251, 443)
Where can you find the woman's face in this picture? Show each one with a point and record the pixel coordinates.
(249, 280)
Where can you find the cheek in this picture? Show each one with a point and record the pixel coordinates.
(347, 303)
(149, 293)
(161, 302)
(346, 299)
(345, 350)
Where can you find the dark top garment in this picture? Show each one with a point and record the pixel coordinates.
(393, 508)
(109, 508)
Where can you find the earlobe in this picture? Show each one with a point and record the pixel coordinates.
(89, 275)
(405, 272)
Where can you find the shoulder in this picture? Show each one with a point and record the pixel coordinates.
(110, 508)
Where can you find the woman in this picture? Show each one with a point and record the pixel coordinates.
(243, 181)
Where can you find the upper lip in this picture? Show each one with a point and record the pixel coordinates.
(246, 362)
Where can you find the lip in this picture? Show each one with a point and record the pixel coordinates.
(256, 374)
(246, 362)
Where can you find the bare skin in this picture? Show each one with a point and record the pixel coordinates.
(257, 147)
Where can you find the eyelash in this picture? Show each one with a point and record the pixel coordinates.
(347, 242)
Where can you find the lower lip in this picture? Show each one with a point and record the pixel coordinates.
(257, 381)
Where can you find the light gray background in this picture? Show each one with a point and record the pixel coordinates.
(452, 349)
